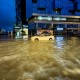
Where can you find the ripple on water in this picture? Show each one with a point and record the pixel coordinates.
(26, 60)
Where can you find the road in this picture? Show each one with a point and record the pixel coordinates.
(42, 60)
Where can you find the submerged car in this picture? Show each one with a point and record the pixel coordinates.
(43, 36)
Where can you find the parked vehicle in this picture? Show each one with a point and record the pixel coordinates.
(43, 36)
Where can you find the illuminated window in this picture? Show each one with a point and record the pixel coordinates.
(59, 29)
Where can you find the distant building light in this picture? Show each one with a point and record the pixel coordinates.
(57, 19)
(25, 26)
(40, 18)
(59, 29)
(17, 27)
(44, 18)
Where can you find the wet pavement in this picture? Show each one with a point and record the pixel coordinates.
(42, 60)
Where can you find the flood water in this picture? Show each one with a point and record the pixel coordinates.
(42, 60)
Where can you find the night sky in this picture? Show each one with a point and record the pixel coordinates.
(7, 14)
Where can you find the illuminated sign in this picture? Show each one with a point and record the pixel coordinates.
(59, 29)
(58, 19)
(25, 26)
(44, 18)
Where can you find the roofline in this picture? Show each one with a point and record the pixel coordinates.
(67, 16)
(57, 22)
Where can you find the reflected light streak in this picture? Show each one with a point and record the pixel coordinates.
(59, 42)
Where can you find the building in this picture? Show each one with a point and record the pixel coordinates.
(20, 27)
(56, 8)
(20, 12)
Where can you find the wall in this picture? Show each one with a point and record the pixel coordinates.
(29, 8)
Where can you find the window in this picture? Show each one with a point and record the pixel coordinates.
(34, 1)
(57, 10)
(41, 8)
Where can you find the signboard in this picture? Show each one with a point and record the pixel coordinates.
(44, 18)
(39, 32)
(59, 29)
(59, 19)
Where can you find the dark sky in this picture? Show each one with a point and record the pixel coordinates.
(7, 14)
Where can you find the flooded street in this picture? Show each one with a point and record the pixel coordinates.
(42, 60)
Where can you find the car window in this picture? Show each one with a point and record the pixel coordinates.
(45, 33)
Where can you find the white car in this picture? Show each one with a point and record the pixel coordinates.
(42, 37)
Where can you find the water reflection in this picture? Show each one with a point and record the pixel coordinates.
(59, 42)
(26, 60)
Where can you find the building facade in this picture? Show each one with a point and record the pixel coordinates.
(64, 10)
(56, 7)
(20, 11)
